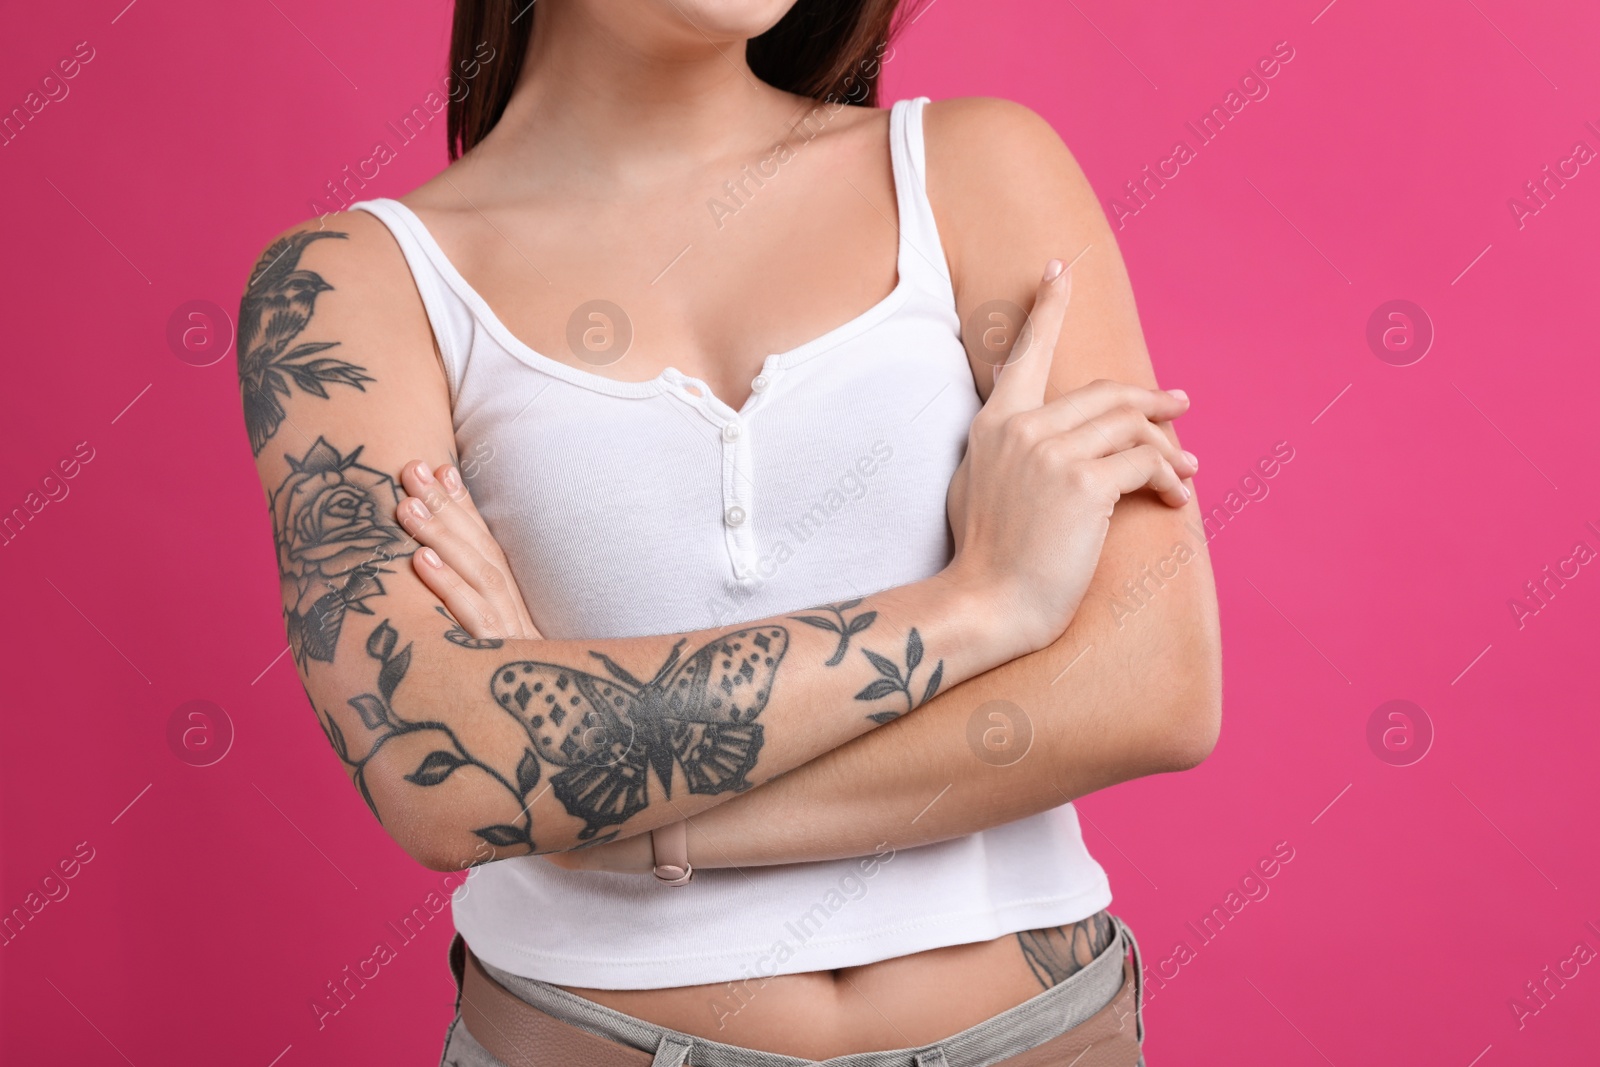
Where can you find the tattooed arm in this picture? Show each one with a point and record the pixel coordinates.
(466, 750)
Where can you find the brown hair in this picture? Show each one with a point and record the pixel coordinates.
(824, 49)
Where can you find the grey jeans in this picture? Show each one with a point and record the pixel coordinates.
(1050, 1013)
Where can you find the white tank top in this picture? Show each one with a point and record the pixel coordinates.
(637, 508)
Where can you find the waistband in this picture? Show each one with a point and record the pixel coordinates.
(1098, 991)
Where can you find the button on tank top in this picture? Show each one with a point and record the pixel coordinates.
(652, 507)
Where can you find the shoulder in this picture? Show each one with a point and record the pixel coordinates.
(339, 279)
(988, 122)
(1000, 176)
(997, 163)
(982, 140)
(346, 265)
(355, 244)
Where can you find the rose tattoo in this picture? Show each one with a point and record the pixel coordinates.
(334, 533)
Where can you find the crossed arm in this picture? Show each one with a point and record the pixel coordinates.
(455, 742)
(1133, 686)
(470, 749)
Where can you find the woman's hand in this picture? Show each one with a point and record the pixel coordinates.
(460, 561)
(1031, 502)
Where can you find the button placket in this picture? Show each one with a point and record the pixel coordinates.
(738, 498)
(738, 469)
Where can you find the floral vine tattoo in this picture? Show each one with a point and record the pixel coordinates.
(332, 528)
(892, 681)
(608, 732)
(457, 636)
(277, 304)
(379, 717)
(846, 629)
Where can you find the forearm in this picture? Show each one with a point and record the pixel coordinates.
(1132, 688)
(547, 745)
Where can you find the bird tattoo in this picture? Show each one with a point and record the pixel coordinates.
(278, 303)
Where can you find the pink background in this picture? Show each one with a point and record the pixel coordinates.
(1420, 898)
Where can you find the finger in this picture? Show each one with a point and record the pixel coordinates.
(490, 581)
(475, 614)
(1101, 397)
(1125, 428)
(449, 477)
(465, 521)
(453, 509)
(443, 534)
(1020, 384)
(453, 524)
(438, 531)
(440, 513)
(1143, 465)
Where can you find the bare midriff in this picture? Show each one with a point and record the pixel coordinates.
(896, 1003)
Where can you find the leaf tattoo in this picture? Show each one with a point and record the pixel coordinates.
(379, 717)
(277, 304)
(891, 681)
(846, 629)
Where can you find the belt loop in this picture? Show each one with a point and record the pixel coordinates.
(1138, 979)
(933, 1057)
(671, 1052)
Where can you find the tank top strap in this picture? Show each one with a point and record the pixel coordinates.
(921, 252)
(448, 314)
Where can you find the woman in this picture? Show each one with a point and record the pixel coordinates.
(696, 326)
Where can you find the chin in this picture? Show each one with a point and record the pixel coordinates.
(724, 20)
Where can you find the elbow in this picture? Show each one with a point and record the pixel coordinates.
(1193, 722)
(432, 857)
(1192, 733)
(428, 847)
(432, 862)
(442, 844)
(436, 853)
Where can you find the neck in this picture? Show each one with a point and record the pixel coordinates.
(626, 102)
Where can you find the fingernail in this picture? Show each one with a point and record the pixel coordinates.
(1179, 393)
(1052, 270)
(431, 558)
(419, 510)
(1185, 489)
(452, 480)
(1194, 461)
(424, 475)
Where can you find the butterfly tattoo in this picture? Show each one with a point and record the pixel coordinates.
(609, 733)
